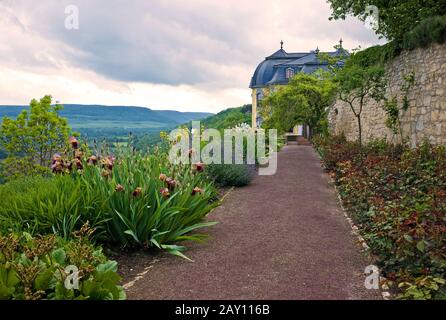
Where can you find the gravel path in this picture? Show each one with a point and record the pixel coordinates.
(282, 237)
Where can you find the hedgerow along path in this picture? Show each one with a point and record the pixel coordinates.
(282, 237)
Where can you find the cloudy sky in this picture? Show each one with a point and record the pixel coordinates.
(194, 55)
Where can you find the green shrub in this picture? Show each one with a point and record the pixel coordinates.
(397, 197)
(396, 17)
(230, 175)
(431, 30)
(428, 31)
(36, 268)
(375, 55)
(335, 149)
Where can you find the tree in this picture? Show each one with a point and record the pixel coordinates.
(31, 140)
(357, 85)
(305, 99)
(281, 109)
(396, 17)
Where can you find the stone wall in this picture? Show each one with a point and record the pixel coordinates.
(426, 115)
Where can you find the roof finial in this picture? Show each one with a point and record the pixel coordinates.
(340, 43)
(281, 44)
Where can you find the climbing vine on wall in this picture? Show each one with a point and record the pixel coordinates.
(392, 107)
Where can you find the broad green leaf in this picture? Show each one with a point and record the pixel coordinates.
(421, 246)
(43, 280)
(59, 256)
(108, 266)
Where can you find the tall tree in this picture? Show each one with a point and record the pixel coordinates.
(396, 17)
(357, 85)
(31, 139)
(304, 100)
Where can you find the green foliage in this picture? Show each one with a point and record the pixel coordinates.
(395, 17)
(33, 136)
(59, 204)
(408, 24)
(393, 108)
(124, 200)
(397, 197)
(358, 84)
(430, 30)
(230, 175)
(334, 149)
(281, 109)
(392, 111)
(147, 141)
(228, 118)
(151, 202)
(225, 119)
(14, 167)
(375, 55)
(34, 268)
(304, 100)
(365, 74)
(409, 80)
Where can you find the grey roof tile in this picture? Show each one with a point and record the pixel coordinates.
(272, 70)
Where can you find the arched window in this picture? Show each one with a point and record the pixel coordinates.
(289, 73)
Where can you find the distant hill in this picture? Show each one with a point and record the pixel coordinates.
(228, 118)
(100, 121)
(225, 119)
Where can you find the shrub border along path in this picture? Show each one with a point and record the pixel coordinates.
(282, 237)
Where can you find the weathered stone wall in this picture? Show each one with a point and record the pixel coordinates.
(426, 115)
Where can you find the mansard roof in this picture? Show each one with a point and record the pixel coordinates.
(272, 70)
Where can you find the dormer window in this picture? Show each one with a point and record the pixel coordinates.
(289, 73)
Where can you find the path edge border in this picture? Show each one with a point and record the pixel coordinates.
(384, 289)
(129, 284)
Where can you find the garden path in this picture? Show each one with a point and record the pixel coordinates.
(282, 237)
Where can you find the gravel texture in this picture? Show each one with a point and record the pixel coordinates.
(282, 237)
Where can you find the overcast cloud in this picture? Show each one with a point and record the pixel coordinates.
(176, 54)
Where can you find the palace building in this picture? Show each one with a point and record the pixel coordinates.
(278, 68)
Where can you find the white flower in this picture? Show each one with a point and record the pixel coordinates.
(242, 128)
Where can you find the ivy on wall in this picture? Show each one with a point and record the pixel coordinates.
(392, 106)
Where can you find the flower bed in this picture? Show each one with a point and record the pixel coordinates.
(397, 197)
(132, 200)
(48, 267)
